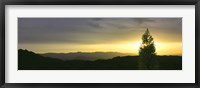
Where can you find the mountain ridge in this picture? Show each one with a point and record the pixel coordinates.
(85, 55)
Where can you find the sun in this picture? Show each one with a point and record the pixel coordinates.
(132, 47)
(136, 45)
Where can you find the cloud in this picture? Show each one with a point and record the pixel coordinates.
(95, 30)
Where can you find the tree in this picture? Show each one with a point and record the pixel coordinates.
(147, 53)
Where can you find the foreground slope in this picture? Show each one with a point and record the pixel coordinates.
(28, 60)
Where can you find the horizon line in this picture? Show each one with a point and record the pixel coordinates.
(100, 52)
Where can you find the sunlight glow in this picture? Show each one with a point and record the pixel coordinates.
(168, 48)
(162, 48)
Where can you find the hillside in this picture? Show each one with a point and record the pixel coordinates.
(28, 60)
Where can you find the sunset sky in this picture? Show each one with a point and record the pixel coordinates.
(63, 35)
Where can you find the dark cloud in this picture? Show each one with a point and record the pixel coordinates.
(94, 30)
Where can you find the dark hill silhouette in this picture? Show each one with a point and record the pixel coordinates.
(85, 55)
(28, 60)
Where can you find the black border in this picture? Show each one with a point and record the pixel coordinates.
(98, 2)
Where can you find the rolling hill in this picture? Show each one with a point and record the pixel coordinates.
(28, 60)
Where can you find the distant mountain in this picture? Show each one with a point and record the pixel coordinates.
(85, 55)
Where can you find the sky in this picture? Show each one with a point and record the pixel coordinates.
(63, 35)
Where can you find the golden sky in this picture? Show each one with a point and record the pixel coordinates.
(63, 35)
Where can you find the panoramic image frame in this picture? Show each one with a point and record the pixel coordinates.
(99, 43)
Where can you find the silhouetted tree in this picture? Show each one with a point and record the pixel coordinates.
(147, 53)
